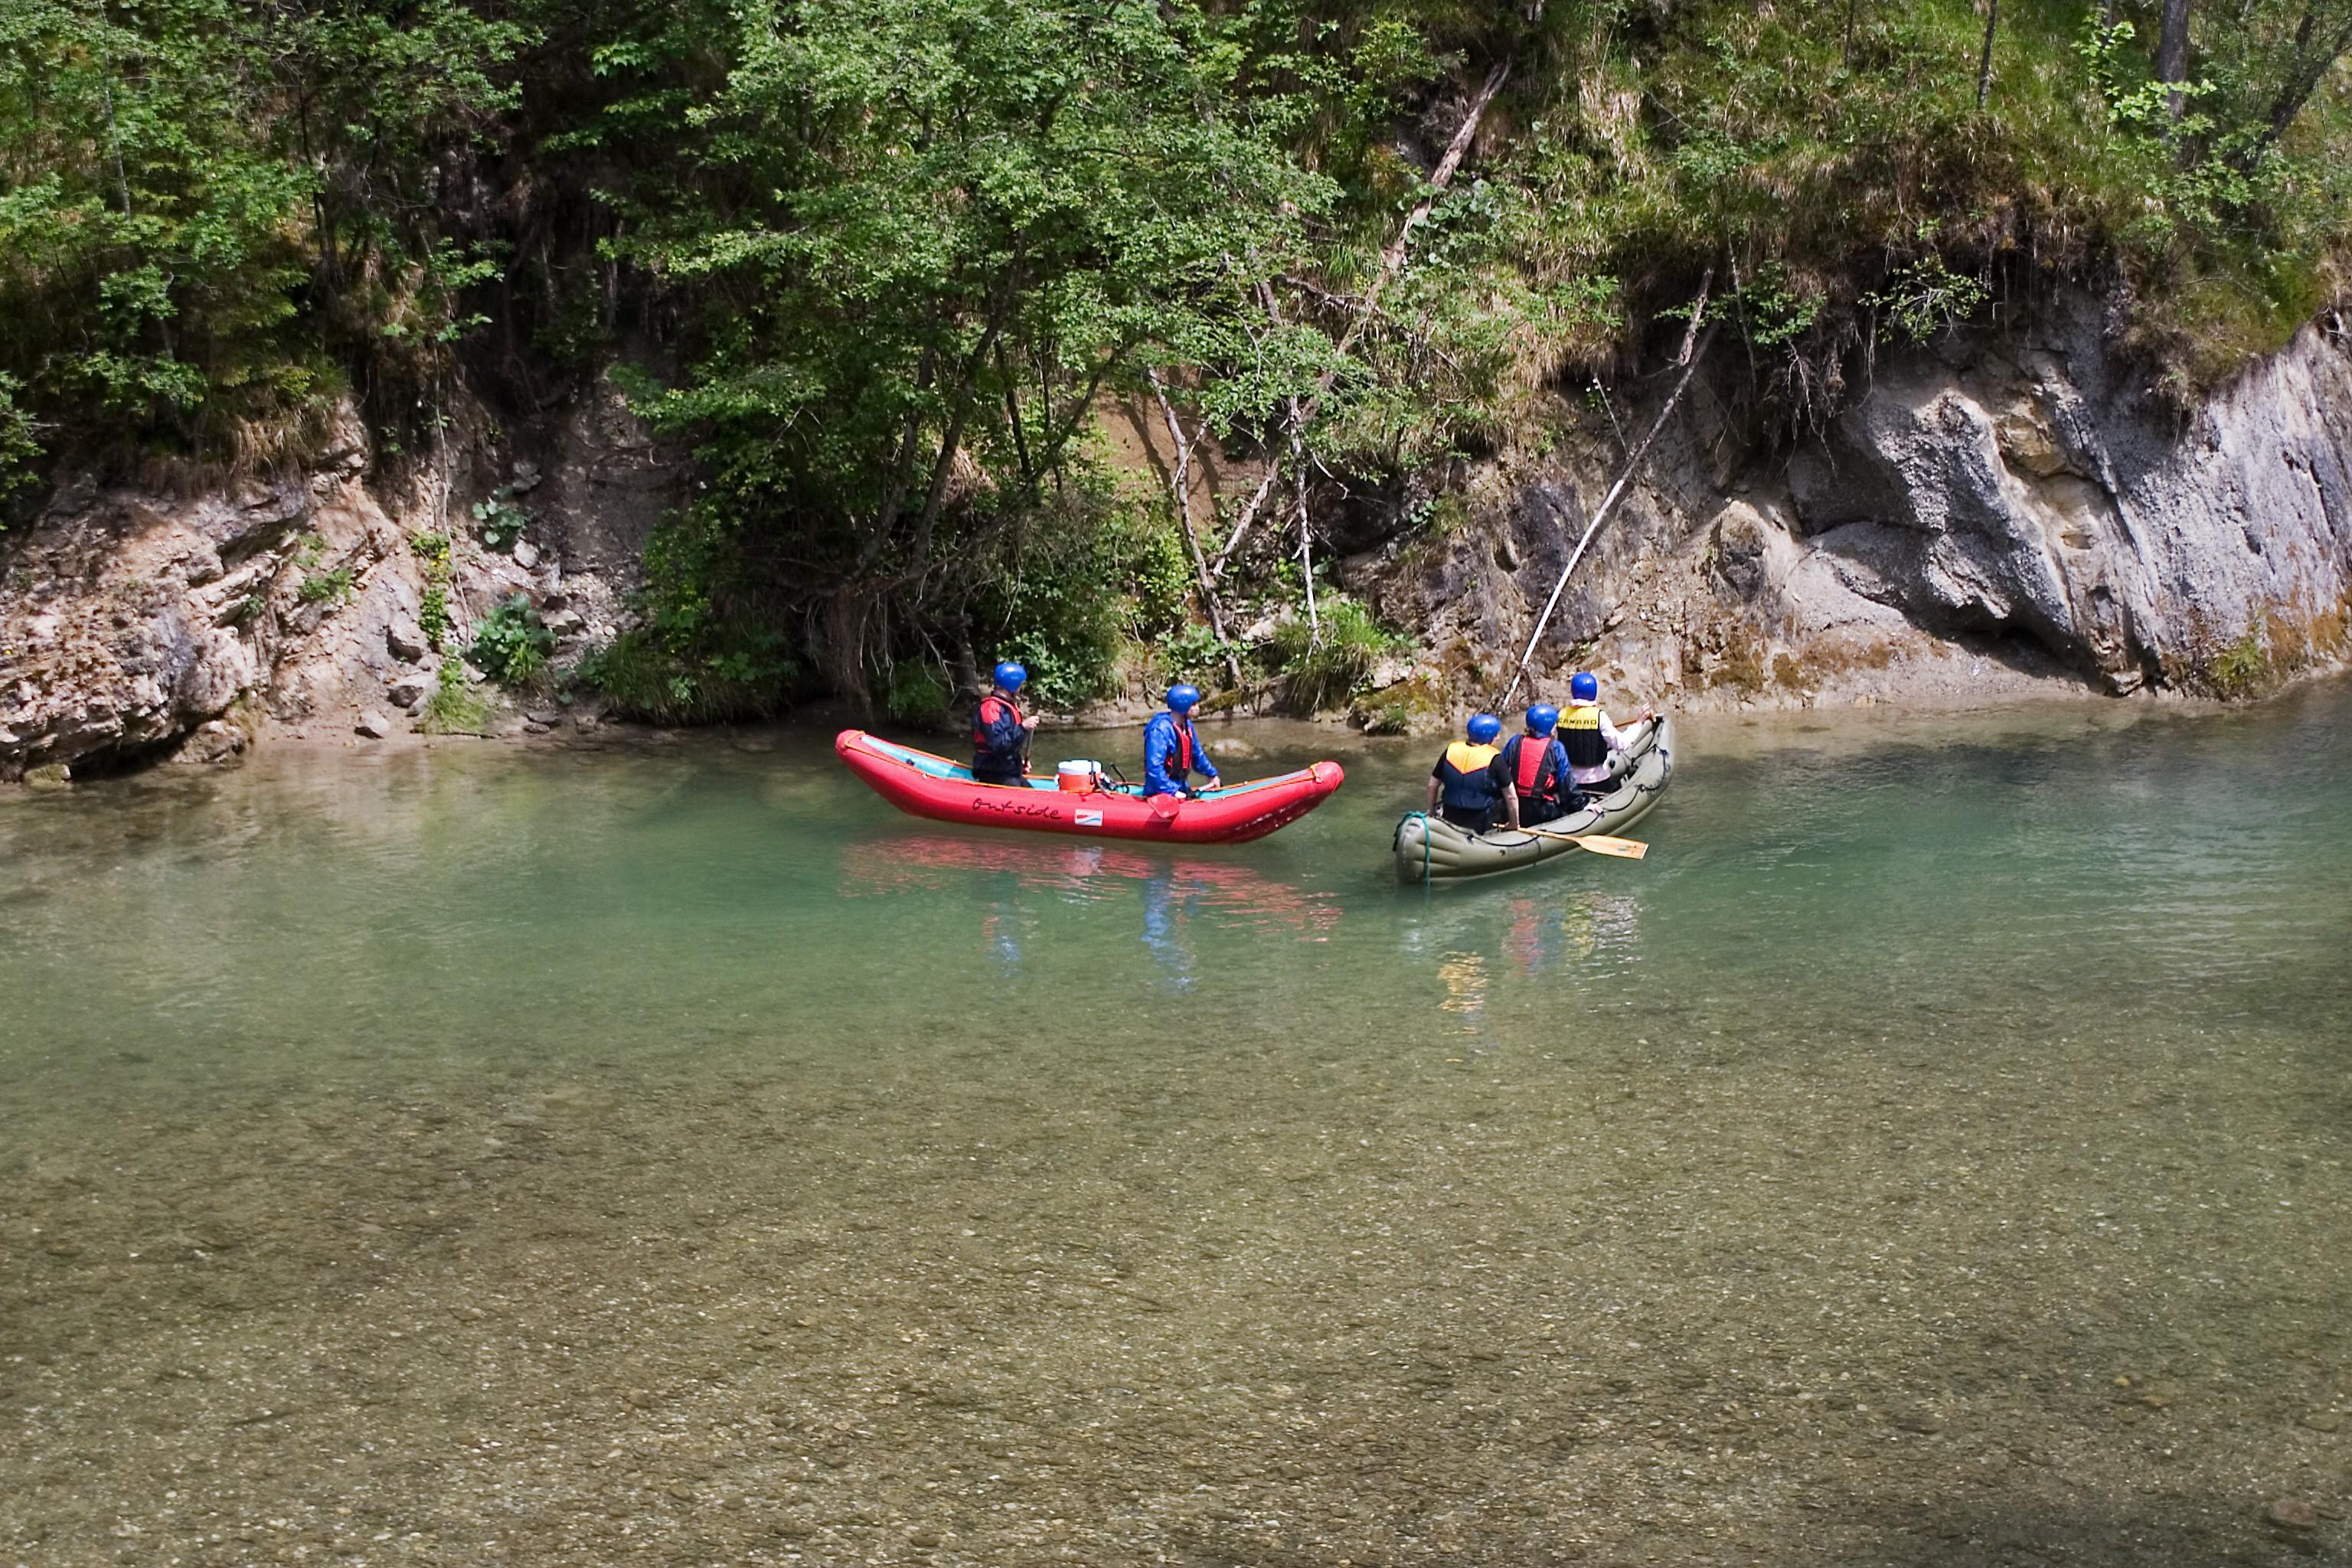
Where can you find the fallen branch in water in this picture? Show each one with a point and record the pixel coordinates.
(1693, 350)
(1303, 412)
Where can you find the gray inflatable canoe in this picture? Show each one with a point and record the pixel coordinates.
(1430, 849)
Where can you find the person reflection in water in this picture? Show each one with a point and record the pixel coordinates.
(1165, 916)
(1535, 940)
(1465, 976)
(1000, 931)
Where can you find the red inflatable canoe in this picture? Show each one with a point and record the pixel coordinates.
(925, 785)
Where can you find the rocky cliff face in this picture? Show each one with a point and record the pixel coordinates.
(2012, 515)
(137, 623)
(2006, 516)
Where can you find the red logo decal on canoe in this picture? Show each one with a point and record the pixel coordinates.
(1012, 808)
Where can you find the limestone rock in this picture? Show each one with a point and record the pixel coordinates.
(132, 619)
(2127, 550)
(2003, 512)
(373, 725)
(406, 692)
(215, 741)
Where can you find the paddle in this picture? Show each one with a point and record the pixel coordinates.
(1598, 843)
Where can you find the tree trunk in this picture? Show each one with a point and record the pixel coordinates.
(1391, 263)
(1179, 484)
(2311, 68)
(2172, 54)
(1984, 64)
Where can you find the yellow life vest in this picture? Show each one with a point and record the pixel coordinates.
(1464, 774)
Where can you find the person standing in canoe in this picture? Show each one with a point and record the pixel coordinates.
(1588, 736)
(1172, 752)
(1000, 733)
(1531, 771)
(1462, 786)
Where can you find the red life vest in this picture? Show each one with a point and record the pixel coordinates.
(1532, 772)
(1183, 748)
(985, 715)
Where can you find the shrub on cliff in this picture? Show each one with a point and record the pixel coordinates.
(511, 647)
(1324, 665)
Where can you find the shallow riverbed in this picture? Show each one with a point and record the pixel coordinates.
(1935, 1151)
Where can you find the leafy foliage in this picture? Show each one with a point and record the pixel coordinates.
(1925, 297)
(1325, 665)
(511, 645)
(333, 587)
(916, 694)
(929, 236)
(20, 444)
(700, 655)
(2243, 669)
(200, 199)
(499, 521)
(433, 617)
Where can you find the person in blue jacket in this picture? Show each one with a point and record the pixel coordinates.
(1532, 772)
(1000, 733)
(1172, 752)
(1462, 788)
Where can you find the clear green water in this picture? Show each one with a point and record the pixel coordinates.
(673, 1154)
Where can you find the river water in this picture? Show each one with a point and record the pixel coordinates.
(1934, 1151)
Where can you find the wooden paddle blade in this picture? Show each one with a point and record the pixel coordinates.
(1602, 843)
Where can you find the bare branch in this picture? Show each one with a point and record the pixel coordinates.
(1693, 350)
(1184, 496)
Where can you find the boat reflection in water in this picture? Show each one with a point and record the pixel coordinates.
(1543, 936)
(1527, 936)
(1177, 891)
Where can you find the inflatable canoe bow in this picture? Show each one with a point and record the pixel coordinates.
(1431, 850)
(925, 785)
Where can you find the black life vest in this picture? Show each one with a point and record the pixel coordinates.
(985, 714)
(1579, 735)
(1532, 764)
(1465, 773)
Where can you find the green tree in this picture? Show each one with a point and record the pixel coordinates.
(927, 237)
(157, 283)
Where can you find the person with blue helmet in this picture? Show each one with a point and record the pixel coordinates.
(1172, 752)
(1000, 731)
(1462, 786)
(1531, 771)
(1588, 736)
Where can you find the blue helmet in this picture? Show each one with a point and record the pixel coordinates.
(1009, 676)
(1484, 727)
(1183, 697)
(1542, 719)
(1584, 689)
